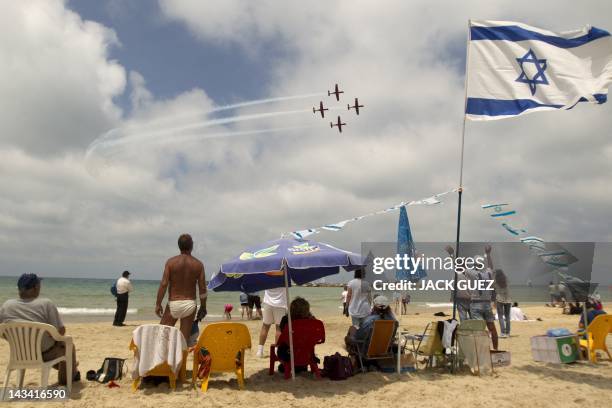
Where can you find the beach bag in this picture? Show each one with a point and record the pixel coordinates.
(112, 369)
(113, 290)
(337, 367)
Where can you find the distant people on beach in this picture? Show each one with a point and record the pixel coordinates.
(359, 298)
(227, 311)
(123, 287)
(397, 300)
(503, 302)
(32, 308)
(244, 306)
(182, 275)
(344, 304)
(572, 308)
(516, 314)
(255, 301)
(405, 303)
(274, 308)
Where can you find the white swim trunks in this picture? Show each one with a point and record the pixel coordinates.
(180, 309)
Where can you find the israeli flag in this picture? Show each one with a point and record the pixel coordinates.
(515, 69)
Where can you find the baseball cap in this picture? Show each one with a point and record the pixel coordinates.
(28, 281)
(381, 301)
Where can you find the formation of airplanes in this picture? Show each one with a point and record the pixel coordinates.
(336, 92)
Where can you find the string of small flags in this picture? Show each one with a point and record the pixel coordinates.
(337, 226)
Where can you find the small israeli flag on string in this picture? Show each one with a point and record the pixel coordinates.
(498, 210)
(514, 69)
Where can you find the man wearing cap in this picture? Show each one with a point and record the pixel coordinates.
(124, 287)
(30, 307)
(380, 311)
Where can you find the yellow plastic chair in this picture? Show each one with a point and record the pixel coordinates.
(597, 331)
(162, 370)
(226, 343)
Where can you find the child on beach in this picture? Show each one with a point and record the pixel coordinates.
(228, 311)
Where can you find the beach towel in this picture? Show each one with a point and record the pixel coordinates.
(157, 344)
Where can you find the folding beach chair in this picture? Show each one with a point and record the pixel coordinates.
(597, 331)
(307, 333)
(429, 344)
(226, 343)
(379, 345)
(473, 346)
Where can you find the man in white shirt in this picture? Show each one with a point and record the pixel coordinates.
(124, 287)
(274, 308)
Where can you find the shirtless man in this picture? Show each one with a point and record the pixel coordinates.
(182, 274)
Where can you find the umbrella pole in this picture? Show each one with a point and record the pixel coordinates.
(586, 333)
(286, 273)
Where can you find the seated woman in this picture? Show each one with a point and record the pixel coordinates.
(300, 309)
(380, 311)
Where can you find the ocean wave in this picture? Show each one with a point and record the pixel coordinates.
(91, 311)
(439, 304)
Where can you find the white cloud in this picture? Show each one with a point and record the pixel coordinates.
(403, 60)
(57, 83)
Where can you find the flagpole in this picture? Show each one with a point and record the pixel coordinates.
(460, 189)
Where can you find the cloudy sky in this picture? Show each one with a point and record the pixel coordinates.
(143, 79)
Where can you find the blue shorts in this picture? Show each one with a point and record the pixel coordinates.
(482, 311)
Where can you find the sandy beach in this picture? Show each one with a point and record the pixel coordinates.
(524, 383)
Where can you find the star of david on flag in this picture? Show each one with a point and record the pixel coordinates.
(539, 65)
(515, 69)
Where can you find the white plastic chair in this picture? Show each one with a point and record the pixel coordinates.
(25, 340)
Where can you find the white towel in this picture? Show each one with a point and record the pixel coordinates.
(157, 344)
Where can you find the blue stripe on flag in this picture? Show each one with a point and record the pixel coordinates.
(516, 33)
(503, 214)
(492, 205)
(502, 107)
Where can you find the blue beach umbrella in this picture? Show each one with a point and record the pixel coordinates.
(261, 267)
(277, 263)
(405, 246)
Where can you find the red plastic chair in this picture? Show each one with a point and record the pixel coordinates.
(307, 333)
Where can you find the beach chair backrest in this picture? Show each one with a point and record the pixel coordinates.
(25, 339)
(381, 338)
(307, 333)
(431, 343)
(224, 341)
(599, 329)
(472, 325)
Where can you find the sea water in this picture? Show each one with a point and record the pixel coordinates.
(91, 300)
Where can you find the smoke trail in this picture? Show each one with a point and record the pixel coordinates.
(115, 149)
(224, 108)
(111, 138)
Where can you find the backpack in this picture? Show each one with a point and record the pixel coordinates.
(113, 290)
(337, 367)
(112, 369)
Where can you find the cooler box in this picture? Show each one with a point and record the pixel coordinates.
(500, 358)
(562, 349)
